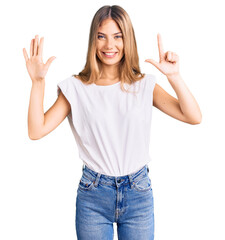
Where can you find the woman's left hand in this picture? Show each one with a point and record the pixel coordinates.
(168, 62)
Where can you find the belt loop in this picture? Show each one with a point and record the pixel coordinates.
(147, 169)
(131, 181)
(97, 180)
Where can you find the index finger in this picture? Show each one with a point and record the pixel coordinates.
(160, 46)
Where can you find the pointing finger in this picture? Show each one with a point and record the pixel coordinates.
(160, 46)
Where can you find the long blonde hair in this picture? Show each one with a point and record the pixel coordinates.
(129, 70)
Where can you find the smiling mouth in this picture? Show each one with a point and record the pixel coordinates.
(109, 54)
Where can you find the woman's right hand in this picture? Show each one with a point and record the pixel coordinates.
(35, 66)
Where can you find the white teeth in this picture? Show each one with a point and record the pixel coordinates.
(110, 54)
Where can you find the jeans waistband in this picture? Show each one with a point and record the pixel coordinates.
(113, 180)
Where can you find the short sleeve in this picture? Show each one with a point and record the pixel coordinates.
(150, 85)
(152, 81)
(65, 87)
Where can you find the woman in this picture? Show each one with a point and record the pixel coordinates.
(111, 124)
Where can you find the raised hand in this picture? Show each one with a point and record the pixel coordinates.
(35, 66)
(168, 62)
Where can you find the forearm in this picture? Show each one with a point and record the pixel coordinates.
(36, 111)
(187, 102)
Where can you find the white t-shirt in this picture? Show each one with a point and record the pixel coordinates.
(111, 127)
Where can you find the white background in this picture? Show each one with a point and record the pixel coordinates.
(39, 179)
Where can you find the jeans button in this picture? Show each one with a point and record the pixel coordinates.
(119, 180)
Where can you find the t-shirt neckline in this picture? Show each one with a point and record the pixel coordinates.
(106, 85)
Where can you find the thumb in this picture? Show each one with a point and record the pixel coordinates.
(50, 60)
(153, 62)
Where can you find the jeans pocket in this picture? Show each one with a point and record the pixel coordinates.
(85, 184)
(143, 184)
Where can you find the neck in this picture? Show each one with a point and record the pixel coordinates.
(110, 73)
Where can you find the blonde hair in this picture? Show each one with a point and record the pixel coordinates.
(129, 70)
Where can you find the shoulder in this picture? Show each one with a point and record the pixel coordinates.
(66, 86)
(68, 82)
(149, 80)
(150, 77)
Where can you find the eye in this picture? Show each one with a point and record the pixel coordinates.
(118, 36)
(100, 36)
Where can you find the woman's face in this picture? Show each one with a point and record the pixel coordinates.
(109, 43)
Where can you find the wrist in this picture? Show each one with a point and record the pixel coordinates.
(174, 77)
(38, 81)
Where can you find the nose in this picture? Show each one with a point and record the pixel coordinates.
(109, 43)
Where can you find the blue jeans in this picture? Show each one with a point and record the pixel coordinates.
(127, 200)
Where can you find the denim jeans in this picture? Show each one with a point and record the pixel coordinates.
(127, 200)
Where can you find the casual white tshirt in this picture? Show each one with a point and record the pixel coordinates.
(111, 127)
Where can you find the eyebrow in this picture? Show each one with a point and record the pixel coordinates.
(112, 34)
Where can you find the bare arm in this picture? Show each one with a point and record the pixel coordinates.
(35, 111)
(174, 108)
(56, 114)
(185, 108)
(40, 123)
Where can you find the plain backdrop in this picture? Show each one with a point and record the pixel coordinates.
(39, 179)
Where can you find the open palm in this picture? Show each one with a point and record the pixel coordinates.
(35, 66)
